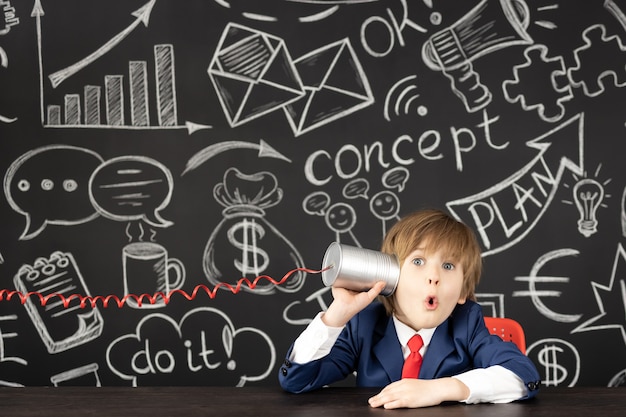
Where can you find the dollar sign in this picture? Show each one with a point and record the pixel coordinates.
(251, 232)
(555, 373)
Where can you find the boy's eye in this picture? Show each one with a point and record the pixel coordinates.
(418, 261)
(448, 265)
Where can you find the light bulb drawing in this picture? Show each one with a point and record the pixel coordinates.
(588, 196)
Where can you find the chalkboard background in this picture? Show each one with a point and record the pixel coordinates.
(224, 139)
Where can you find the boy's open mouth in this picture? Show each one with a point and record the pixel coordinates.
(431, 302)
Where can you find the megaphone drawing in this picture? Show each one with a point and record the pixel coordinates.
(488, 27)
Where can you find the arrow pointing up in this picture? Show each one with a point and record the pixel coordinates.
(506, 212)
(143, 16)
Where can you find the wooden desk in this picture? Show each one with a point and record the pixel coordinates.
(268, 401)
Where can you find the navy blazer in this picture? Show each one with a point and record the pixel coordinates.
(369, 345)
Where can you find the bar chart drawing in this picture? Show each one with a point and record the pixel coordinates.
(138, 78)
(104, 106)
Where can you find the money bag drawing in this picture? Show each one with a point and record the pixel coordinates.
(239, 246)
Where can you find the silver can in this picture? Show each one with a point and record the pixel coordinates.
(359, 269)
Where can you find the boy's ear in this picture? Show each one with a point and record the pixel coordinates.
(462, 299)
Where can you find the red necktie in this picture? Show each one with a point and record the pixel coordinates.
(411, 368)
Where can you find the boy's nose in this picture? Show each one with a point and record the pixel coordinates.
(431, 272)
(433, 278)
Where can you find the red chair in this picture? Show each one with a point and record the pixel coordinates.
(508, 329)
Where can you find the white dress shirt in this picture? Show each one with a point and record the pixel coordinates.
(494, 384)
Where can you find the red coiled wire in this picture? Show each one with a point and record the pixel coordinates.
(150, 298)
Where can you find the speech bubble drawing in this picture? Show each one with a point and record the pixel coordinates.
(316, 203)
(396, 178)
(49, 185)
(356, 188)
(131, 188)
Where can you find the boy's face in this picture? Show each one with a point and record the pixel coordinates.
(429, 288)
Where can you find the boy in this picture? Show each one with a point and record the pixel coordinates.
(440, 266)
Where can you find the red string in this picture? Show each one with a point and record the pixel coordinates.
(151, 298)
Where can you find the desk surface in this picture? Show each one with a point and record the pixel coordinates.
(267, 401)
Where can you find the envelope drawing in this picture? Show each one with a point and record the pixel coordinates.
(335, 86)
(253, 74)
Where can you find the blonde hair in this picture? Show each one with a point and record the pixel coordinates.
(438, 231)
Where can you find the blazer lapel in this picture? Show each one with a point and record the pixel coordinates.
(438, 350)
(389, 353)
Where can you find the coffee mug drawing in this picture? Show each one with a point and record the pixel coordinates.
(149, 270)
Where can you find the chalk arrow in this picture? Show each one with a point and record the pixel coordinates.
(37, 13)
(143, 16)
(263, 148)
(525, 196)
(194, 127)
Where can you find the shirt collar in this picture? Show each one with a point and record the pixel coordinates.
(405, 332)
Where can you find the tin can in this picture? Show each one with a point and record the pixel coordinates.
(359, 269)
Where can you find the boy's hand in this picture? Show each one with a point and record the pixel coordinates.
(413, 393)
(347, 303)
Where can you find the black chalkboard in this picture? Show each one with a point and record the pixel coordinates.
(155, 145)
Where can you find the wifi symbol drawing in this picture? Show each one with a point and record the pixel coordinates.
(401, 99)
